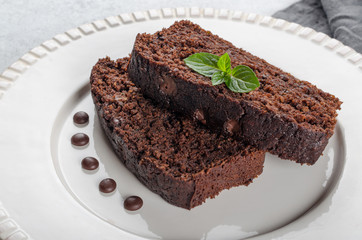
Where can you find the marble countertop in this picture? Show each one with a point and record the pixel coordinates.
(26, 24)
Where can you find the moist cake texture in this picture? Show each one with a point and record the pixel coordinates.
(285, 116)
(175, 157)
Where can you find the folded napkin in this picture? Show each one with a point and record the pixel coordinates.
(340, 19)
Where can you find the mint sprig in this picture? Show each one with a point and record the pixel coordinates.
(240, 79)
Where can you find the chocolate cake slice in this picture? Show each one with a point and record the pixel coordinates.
(285, 116)
(173, 156)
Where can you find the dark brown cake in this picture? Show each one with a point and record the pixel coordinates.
(175, 157)
(285, 116)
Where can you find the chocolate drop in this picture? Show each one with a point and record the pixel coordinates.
(133, 203)
(90, 163)
(107, 185)
(80, 139)
(81, 117)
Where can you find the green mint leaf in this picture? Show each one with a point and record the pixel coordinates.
(243, 80)
(224, 63)
(203, 63)
(219, 77)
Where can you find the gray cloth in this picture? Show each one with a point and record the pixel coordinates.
(340, 19)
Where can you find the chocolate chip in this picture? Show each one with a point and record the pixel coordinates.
(115, 122)
(159, 36)
(107, 185)
(81, 117)
(80, 139)
(168, 85)
(199, 115)
(232, 127)
(283, 77)
(133, 203)
(90, 163)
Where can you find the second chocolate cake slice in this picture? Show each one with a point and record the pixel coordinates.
(285, 116)
(175, 157)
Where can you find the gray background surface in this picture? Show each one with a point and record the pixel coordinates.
(26, 24)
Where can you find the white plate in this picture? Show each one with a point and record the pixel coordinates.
(46, 195)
